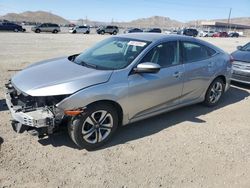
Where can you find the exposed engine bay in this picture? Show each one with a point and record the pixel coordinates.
(35, 114)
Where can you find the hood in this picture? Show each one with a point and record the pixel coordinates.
(57, 77)
(240, 55)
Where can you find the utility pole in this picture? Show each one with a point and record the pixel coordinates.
(228, 21)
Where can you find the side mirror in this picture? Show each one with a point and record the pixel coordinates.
(147, 67)
(239, 47)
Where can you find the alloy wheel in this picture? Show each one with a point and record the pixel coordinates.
(216, 92)
(97, 126)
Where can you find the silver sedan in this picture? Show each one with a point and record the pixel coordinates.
(120, 80)
(241, 65)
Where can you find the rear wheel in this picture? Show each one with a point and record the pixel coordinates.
(95, 127)
(16, 30)
(214, 92)
(55, 31)
(114, 33)
(87, 32)
(102, 32)
(38, 31)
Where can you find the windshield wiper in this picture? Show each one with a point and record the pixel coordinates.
(83, 63)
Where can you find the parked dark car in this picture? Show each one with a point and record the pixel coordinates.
(133, 30)
(234, 34)
(153, 30)
(220, 34)
(241, 64)
(46, 27)
(8, 26)
(188, 32)
(111, 29)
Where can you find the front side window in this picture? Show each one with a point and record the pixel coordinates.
(195, 52)
(112, 53)
(43, 25)
(165, 54)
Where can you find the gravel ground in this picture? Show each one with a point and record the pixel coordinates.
(191, 147)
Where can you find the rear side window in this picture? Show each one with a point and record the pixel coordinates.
(192, 52)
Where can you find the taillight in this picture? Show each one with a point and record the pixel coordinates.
(231, 59)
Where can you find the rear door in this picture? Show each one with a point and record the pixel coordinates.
(198, 69)
(157, 91)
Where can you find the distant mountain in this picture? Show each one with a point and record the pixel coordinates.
(155, 21)
(34, 17)
(240, 20)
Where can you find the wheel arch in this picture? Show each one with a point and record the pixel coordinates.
(116, 105)
(221, 77)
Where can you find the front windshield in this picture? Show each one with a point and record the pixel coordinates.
(246, 47)
(112, 53)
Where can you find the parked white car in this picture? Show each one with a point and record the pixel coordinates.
(206, 33)
(80, 29)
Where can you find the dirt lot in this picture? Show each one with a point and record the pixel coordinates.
(191, 147)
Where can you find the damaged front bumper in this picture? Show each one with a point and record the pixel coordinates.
(31, 114)
(41, 117)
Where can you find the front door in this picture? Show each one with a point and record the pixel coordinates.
(151, 92)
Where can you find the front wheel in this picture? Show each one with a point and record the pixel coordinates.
(95, 127)
(214, 92)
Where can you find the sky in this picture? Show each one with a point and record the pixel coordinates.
(127, 10)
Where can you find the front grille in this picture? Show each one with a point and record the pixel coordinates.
(241, 77)
(241, 65)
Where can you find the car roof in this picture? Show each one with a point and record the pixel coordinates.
(152, 37)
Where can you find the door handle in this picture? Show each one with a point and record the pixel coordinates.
(177, 74)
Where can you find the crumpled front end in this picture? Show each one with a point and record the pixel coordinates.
(37, 115)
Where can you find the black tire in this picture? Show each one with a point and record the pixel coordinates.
(38, 31)
(74, 32)
(88, 123)
(16, 30)
(214, 92)
(55, 31)
(102, 32)
(115, 32)
(87, 32)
